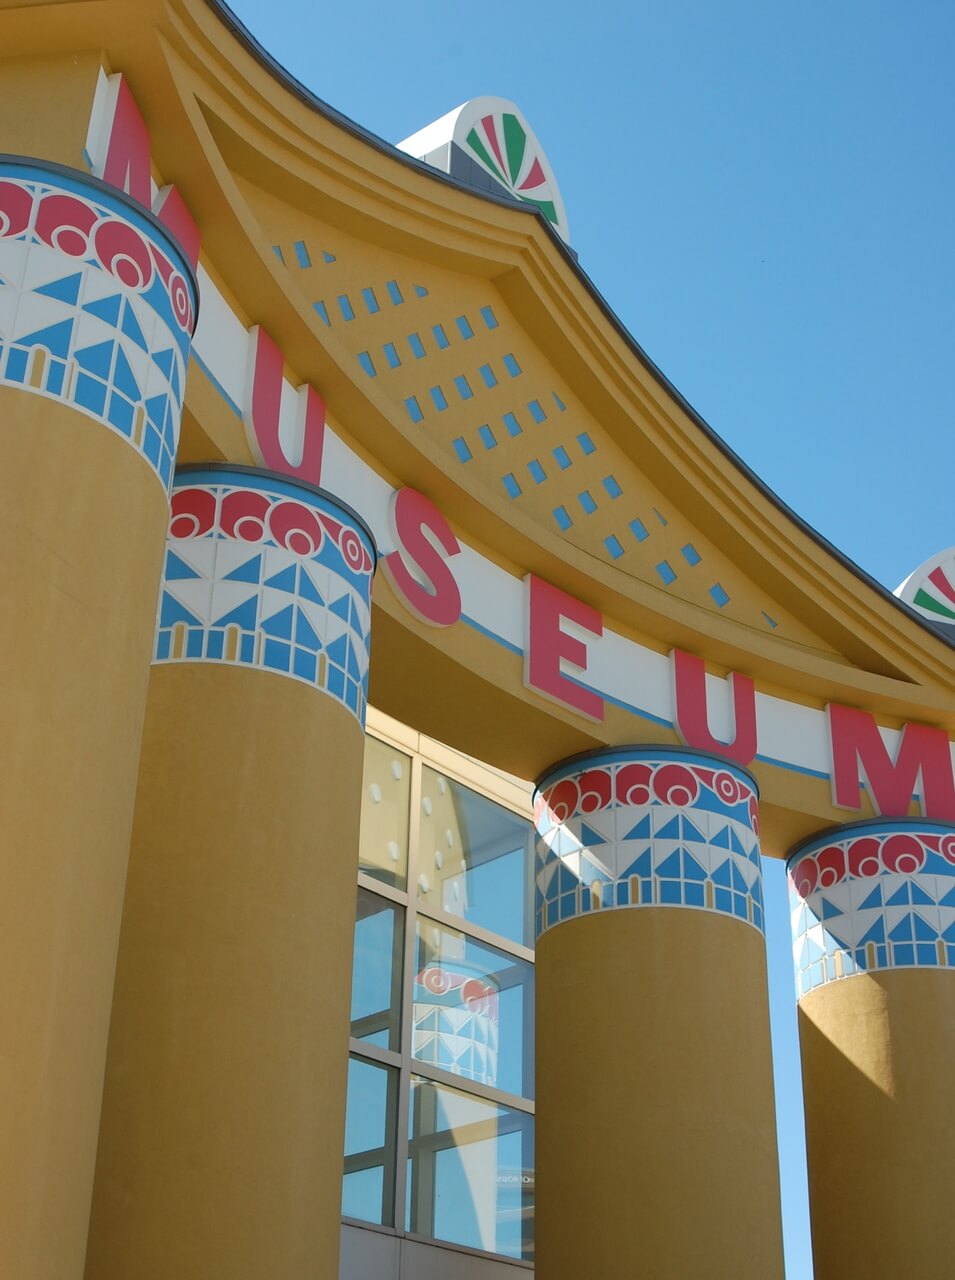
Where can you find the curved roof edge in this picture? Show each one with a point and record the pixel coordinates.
(317, 104)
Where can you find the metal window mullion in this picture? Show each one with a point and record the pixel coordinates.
(373, 1052)
(407, 986)
(382, 889)
(474, 1088)
(479, 933)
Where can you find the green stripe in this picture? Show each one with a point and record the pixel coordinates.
(515, 140)
(479, 149)
(929, 602)
(547, 207)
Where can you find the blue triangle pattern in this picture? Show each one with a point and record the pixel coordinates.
(340, 608)
(903, 930)
(177, 570)
(106, 309)
(304, 632)
(873, 900)
(920, 897)
(96, 359)
(132, 328)
(692, 870)
(949, 899)
(739, 884)
(156, 410)
(163, 360)
(56, 338)
(280, 624)
(308, 590)
(723, 874)
(284, 580)
(670, 830)
(830, 910)
(590, 837)
(900, 898)
(338, 651)
(353, 668)
(67, 289)
(642, 830)
(671, 866)
(691, 832)
(642, 866)
(247, 572)
(172, 612)
(876, 933)
(924, 932)
(124, 378)
(245, 615)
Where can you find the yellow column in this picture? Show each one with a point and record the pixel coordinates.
(656, 1144)
(96, 314)
(873, 910)
(223, 1111)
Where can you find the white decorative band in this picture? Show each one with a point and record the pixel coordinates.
(874, 895)
(97, 306)
(641, 827)
(263, 572)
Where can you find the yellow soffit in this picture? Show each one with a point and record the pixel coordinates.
(301, 209)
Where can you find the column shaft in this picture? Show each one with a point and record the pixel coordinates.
(91, 291)
(874, 932)
(656, 1149)
(223, 1114)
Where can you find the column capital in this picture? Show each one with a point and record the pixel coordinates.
(647, 826)
(871, 896)
(270, 572)
(98, 304)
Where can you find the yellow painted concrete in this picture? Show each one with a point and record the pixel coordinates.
(82, 533)
(656, 1144)
(877, 1054)
(223, 1114)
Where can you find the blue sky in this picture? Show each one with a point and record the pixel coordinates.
(763, 193)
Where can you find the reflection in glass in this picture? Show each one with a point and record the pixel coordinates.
(470, 1171)
(368, 1187)
(376, 971)
(474, 858)
(386, 801)
(473, 1010)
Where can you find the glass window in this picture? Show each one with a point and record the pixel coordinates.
(386, 803)
(464, 327)
(473, 1010)
(470, 1171)
(371, 302)
(511, 365)
(368, 1187)
(475, 858)
(376, 972)
(489, 318)
(416, 345)
(394, 293)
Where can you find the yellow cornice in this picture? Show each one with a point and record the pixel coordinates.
(217, 110)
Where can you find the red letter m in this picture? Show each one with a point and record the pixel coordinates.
(923, 766)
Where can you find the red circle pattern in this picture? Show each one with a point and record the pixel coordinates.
(638, 783)
(78, 229)
(249, 515)
(901, 852)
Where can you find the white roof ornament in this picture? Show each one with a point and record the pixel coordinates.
(488, 144)
(930, 590)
